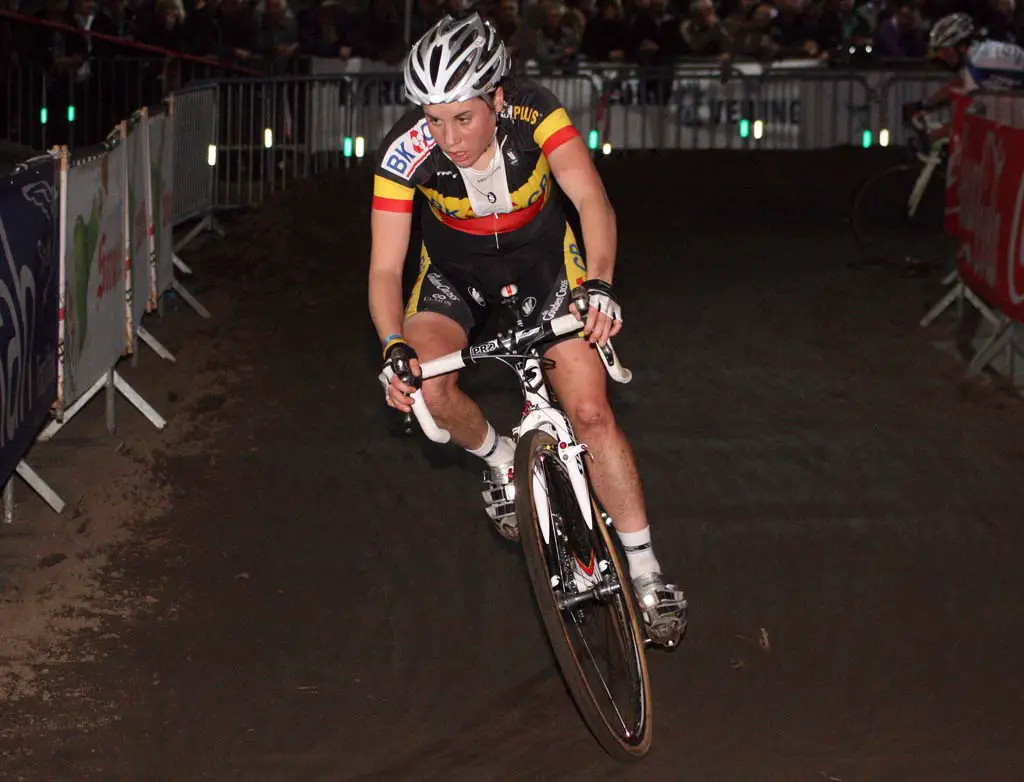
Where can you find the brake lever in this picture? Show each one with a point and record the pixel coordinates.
(403, 369)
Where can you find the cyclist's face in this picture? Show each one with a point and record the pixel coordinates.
(947, 55)
(464, 130)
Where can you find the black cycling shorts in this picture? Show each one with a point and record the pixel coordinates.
(467, 297)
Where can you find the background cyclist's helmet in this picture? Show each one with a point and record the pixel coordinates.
(455, 61)
(951, 30)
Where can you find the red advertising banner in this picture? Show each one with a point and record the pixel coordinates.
(961, 103)
(990, 191)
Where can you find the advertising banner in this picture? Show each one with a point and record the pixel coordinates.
(961, 103)
(29, 281)
(990, 192)
(140, 214)
(94, 229)
(161, 157)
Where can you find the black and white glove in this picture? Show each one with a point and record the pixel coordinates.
(601, 297)
(601, 300)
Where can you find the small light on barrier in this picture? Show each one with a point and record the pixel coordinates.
(592, 139)
(853, 50)
(883, 137)
(268, 138)
(346, 146)
(868, 48)
(744, 128)
(865, 139)
(43, 115)
(758, 128)
(71, 113)
(360, 146)
(607, 148)
(211, 155)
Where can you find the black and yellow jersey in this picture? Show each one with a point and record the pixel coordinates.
(531, 125)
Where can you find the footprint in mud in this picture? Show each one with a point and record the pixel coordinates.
(209, 403)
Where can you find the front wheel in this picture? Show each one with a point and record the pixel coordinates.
(898, 218)
(585, 597)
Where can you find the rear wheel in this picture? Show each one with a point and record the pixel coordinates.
(891, 229)
(585, 597)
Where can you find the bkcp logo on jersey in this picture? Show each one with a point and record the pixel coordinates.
(409, 150)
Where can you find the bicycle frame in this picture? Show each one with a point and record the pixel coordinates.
(517, 348)
(931, 160)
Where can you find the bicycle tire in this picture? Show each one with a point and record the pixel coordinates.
(884, 231)
(631, 743)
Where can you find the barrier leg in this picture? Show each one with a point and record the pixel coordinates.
(9, 501)
(190, 300)
(952, 295)
(38, 485)
(53, 427)
(208, 223)
(137, 401)
(180, 265)
(111, 406)
(1000, 338)
(154, 343)
(111, 381)
(197, 229)
(983, 308)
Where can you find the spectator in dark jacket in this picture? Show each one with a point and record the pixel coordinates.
(606, 38)
(840, 24)
(326, 30)
(703, 33)
(796, 29)
(902, 35)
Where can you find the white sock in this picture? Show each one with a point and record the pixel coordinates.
(639, 553)
(495, 450)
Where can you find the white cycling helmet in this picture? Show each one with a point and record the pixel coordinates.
(951, 30)
(455, 61)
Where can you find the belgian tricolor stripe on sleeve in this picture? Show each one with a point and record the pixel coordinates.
(390, 196)
(554, 131)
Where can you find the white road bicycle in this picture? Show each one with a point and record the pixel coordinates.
(573, 556)
(898, 214)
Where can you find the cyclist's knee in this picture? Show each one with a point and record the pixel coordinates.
(437, 392)
(591, 414)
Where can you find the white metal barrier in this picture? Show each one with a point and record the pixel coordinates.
(110, 216)
(272, 131)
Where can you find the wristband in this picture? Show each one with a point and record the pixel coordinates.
(390, 339)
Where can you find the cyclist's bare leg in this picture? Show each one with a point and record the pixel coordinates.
(432, 335)
(580, 383)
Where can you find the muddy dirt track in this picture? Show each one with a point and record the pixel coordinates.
(328, 601)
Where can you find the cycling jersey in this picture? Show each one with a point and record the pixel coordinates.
(484, 231)
(992, 65)
(481, 216)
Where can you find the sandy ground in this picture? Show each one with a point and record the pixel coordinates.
(282, 587)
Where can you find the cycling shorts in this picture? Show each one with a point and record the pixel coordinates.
(543, 280)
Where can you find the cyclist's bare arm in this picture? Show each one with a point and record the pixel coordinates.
(389, 243)
(941, 98)
(576, 174)
(943, 95)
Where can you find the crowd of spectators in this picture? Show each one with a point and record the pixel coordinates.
(553, 33)
(279, 36)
